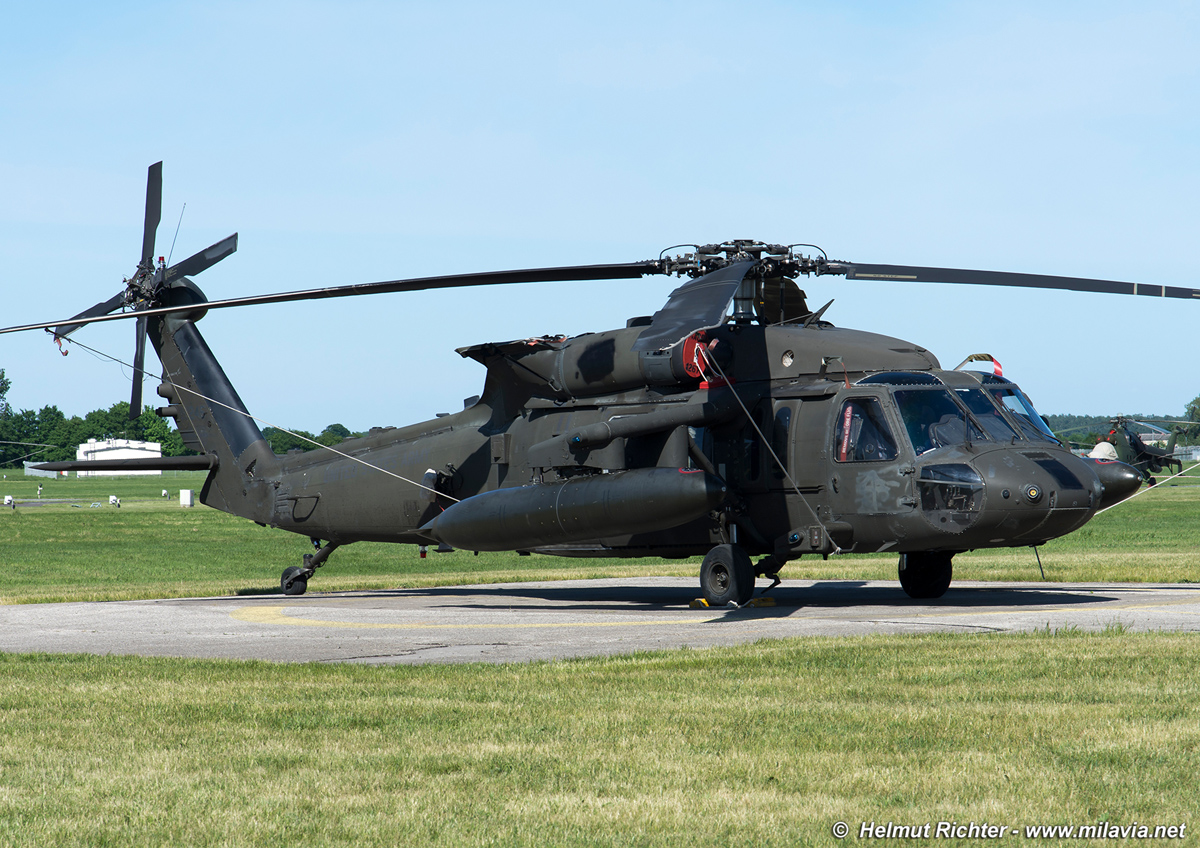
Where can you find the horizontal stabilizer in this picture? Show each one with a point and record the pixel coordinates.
(141, 463)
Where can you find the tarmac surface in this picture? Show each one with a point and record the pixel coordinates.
(522, 622)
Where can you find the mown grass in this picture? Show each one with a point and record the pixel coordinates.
(151, 547)
(68, 550)
(768, 744)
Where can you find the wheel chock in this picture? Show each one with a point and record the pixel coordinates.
(700, 603)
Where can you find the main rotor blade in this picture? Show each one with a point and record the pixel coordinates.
(696, 305)
(918, 274)
(153, 211)
(206, 258)
(65, 329)
(629, 270)
(139, 360)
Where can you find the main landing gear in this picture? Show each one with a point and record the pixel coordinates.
(295, 578)
(925, 575)
(727, 575)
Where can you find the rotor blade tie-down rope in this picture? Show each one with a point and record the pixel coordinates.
(1145, 489)
(281, 429)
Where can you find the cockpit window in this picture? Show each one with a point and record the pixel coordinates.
(934, 420)
(1032, 425)
(1014, 401)
(861, 433)
(987, 414)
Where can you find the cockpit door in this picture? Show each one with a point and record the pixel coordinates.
(868, 474)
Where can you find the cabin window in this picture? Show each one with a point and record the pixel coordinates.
(861, 433)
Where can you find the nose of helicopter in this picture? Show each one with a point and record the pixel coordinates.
(1031, 495)
(1117, 479)
(1044, 494)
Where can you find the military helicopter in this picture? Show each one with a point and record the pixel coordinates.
(1123, 442)
(751, 436)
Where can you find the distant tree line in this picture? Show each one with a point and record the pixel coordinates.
(282, 441)
(22, 433)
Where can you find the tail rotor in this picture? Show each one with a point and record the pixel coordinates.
(150, 284)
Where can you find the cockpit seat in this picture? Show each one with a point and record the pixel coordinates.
(948, 430)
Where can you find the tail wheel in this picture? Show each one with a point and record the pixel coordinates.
(727, 574)
(925, 575)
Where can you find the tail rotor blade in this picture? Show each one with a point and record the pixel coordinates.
(139, 359)
(112, 304)
(153, 211)
(206, 258)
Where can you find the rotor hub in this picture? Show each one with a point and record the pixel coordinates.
(772, 260)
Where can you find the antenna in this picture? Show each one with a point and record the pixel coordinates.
(171, 252)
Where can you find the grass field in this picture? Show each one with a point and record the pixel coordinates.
(67, 549)
(150, 547)
(769, 744)
(765, 744)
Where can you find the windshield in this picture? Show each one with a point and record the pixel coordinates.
(1013, 400)
(1027, 417)
(933, 420)
(987, 414)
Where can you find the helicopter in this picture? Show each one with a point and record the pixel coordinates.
(1123, 442)
(734, 424)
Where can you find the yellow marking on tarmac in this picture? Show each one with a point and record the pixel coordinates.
(277, 615)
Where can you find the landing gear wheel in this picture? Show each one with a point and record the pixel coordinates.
(727, 574)
(926, 575)
(293, 581)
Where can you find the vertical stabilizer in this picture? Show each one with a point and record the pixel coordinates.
(212, 419)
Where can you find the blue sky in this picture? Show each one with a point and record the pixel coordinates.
(352, 142)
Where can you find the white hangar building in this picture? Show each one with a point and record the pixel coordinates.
(118, 449)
